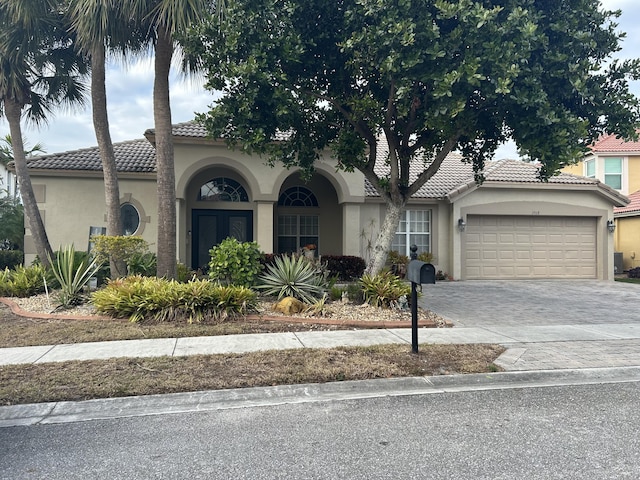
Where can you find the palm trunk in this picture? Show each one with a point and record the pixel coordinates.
(107, 155)
(13, 112)
(385, 238)
(166, 185)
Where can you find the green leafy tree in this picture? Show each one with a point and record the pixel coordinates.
(11, 223)
(425, 77)
(40, 70)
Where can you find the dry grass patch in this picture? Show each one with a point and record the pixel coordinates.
(145, 376)
(18, 331)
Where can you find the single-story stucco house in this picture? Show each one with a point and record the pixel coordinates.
(511, 227)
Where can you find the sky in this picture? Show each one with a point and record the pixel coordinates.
(130, 109)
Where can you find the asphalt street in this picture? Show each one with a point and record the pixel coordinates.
(569, 432)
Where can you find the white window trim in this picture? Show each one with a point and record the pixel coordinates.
(600, 170)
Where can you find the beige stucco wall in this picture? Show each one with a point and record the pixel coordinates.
(71, 205)
(634, 173)
(542, 200)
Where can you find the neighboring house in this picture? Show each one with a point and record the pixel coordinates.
(510, 227)
(616, 163)
(7, 181)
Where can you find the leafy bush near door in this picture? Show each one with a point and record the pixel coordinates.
(235, 263)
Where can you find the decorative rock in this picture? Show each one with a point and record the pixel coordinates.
(289, 306)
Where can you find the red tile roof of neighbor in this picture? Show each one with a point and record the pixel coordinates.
(632, 207)
(613, 143)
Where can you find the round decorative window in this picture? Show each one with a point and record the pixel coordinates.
(130, 219)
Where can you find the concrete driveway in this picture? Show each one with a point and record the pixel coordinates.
(479, 303)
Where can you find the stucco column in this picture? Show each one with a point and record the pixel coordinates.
(351, 229)
(263, 226)
(181, 230)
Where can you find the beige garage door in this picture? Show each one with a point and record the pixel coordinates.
(529, 247)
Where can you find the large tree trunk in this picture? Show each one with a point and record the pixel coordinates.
(166, 185)
(107, 155)
(385, 237)
(13, 112)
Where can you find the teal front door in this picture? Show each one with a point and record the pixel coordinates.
(210, 227)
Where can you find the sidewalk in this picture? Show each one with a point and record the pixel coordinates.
(528, 347)
(536, 356)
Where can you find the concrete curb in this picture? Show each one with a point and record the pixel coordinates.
(204, 401)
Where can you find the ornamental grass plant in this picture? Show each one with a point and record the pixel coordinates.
(156, 299)
(383, 289)
(293, 276)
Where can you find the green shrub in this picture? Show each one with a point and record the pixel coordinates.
(426, 257)
(236, 263)
(149, 298)
(71, 275)
(384, 288)
(293, 276)
(11, 258)
(142, 264)
(118, 249)
(184, 273)
(345, 267)
(22, 281)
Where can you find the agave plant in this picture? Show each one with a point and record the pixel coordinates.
(293, 276)
(73, 277)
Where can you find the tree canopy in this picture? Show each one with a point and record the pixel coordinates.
(426, 77)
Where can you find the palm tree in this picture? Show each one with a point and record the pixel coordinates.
(165, 20)
(40, 70)
(101, 25)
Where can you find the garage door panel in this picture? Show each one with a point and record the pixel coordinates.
(530, 247)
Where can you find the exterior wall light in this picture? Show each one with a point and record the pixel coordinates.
(461, 224)
(611, 226)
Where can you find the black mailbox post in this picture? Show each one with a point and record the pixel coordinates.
(417, 273)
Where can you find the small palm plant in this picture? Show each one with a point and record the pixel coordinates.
(72, 276)
(293, 276)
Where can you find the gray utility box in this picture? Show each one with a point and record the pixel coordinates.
(618, 264)
(421, 272)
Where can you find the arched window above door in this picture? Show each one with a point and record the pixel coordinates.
(222, 189)
(297, 197)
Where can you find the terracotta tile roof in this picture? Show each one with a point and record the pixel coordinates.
(132, 156)
(612, 143)
(454, 176)
(452, 172)
(193, 129)
(632, 207)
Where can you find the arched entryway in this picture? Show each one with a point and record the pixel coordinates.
(308, 214)
(220, 207)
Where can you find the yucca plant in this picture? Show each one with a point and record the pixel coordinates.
(384, 288)
(71, 276)
(293, 276)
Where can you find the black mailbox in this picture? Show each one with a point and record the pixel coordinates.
(421, 272)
